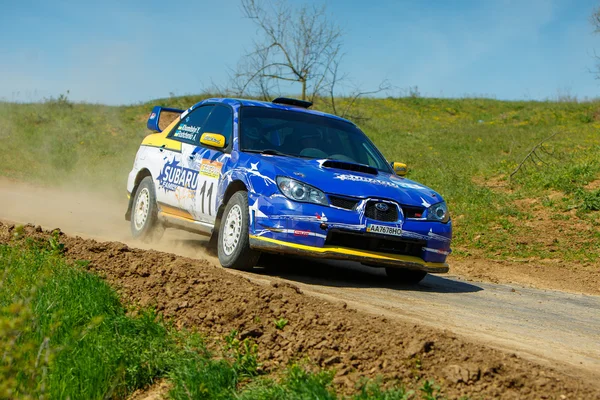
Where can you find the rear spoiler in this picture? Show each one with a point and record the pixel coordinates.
(168, 115)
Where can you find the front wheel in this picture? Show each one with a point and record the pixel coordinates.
(404, 275)
(234, 241)
(144, 215)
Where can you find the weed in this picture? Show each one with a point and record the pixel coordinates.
(430, 391)
(590, 200)
(56, 246)
(18, 232)
(281, 323)
(20, 372)
(244, 354)
(548, 202)
(372, 389)
(84, 264)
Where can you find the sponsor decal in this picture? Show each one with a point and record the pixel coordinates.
(442, 252)
(213, 139)
(187, 132)
(355, 178)
(384, 230)
(321, 217)
(301, 233)
(153, 115)
(210, 168)
(185, 135)
(174, 175)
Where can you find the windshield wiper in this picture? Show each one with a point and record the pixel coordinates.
(269, 152)
(273, 152)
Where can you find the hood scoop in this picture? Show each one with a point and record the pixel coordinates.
(365, 169)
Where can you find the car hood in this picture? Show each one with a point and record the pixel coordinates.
(344, 182)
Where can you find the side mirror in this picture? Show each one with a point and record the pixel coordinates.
(161, 117)
(213, 140)
(399, 168)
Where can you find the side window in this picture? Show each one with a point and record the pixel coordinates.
(220, 121)
(191, 127)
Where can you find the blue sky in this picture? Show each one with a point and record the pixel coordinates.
(121, 52)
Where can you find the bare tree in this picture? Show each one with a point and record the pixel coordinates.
(595, 19)
(295, 45)
(536, 155)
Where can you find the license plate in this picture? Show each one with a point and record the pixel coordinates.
(384, 230)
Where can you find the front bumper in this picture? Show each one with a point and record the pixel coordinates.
(342, 253)
(278, 225)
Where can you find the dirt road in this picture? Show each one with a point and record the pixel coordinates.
(556, 328)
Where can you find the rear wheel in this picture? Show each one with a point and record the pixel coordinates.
(404, 275)
(234, 242)
(144, 214)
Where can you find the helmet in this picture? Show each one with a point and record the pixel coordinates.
(252, 129)
(251, 134)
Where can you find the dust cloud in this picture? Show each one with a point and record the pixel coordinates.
(96, 214)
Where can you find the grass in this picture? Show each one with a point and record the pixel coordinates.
(463, 148)
(65, 334)
(71, 327)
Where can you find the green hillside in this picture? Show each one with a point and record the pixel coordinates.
(463, 148)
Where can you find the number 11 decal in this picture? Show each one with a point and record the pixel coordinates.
(208, 193)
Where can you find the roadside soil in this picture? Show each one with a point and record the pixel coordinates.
(547, 231)
(552, 274)
(196, 294)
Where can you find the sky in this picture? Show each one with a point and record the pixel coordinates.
(130, 51)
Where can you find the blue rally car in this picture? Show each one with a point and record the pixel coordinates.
(280, 178)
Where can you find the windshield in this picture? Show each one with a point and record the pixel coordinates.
(299, 134)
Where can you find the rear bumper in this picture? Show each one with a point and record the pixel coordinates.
(342, 253)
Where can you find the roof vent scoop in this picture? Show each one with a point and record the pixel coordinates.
(365, 169)
(292, 102)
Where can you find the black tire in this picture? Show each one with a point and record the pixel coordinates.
(234, 241)
(404, 275)
(144, 224)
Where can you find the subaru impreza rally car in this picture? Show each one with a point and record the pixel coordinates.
(277, 177)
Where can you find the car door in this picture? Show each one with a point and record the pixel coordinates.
(208, 162)
(177, 182)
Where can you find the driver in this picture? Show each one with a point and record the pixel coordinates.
(310, 142)
(252, 134)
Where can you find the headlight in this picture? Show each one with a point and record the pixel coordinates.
(438, 212)
(298, 191)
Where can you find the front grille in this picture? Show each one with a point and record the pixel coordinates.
(412, 211)
(389, 215)
(363, 241)
(343, 202)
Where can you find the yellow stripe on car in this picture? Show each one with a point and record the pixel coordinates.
(175, 212)
(160, 139)
(352, 252)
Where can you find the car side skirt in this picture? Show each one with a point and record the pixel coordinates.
(186, 224)
(342, 253)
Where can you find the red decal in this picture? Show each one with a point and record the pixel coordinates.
(301, 233)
